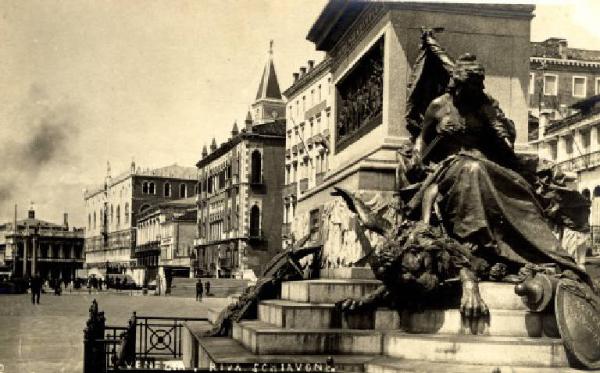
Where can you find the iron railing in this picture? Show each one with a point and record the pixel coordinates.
(145, 340)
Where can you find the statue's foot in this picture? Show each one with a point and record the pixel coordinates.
(471, 303)
(353, 304)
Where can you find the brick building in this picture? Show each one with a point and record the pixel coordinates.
(240, 203)
(54, 251)
(112, 211)
(559, 77)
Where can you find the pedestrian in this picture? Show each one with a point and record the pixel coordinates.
(36, 289)
(207, 288)
(89, 285)
(199, 290)
(118, 284)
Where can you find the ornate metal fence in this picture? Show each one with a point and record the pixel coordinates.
(141, 343)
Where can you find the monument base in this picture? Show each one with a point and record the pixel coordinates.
(304, 327)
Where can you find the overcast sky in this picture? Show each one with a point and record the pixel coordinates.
(86, 82)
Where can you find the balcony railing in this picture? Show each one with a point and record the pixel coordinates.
(580, 163)
(319, 178)
(289, 190)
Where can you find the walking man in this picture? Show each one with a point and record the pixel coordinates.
(36, 289)
(207, 288)
(199, 290)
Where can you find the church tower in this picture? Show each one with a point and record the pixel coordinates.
(269, 103)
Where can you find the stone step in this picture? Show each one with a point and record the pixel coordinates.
(398, 365)
(326, 290)
(290, 315)
(222, 353)
(483, 350)
(496, 295)
(264, 339)
(362, 273)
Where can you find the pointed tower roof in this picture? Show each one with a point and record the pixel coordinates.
(269, 86)
(204, 151)
(248, 118)
(234, 130)
(213, 145)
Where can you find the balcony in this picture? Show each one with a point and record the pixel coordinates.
(319, 178)
(259, 236)
(289, 190)
(580, 163)
(303, 185)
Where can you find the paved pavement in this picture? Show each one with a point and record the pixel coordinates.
(48, 338)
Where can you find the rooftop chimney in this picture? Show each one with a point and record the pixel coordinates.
(66, 220)
(31, 212)
(248, 122)
(132, 167)
(311, 64)
(296, 76)
(302, 71)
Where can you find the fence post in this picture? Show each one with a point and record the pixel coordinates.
(94, 354)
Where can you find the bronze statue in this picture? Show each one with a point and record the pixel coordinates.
(471, 210)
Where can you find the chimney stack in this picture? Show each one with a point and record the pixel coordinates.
(248, 122)
(311, 64)
(296, 76)
(31, 212)
(66, 220)
(302, 71)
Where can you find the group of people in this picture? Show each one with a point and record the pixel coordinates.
(200, 289)
(36, 286)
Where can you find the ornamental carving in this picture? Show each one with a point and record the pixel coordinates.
(360, 95)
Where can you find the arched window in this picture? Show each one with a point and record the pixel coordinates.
(112, 214)
(89, 221)
(151, 188)
(182, 191)
(597, 191)
(586, 194)
(145, 187)
(118, 215)
(94, 219)
(127, 213)
(167, 189)
(254, 221)
(256, 168)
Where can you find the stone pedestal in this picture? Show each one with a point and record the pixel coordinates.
(303, 326)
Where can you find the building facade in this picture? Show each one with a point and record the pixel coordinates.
(308, 119)
(370, 48)
(34, 246)
(165, 239)
(240, 208)
(112, 211)
(559, 77)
